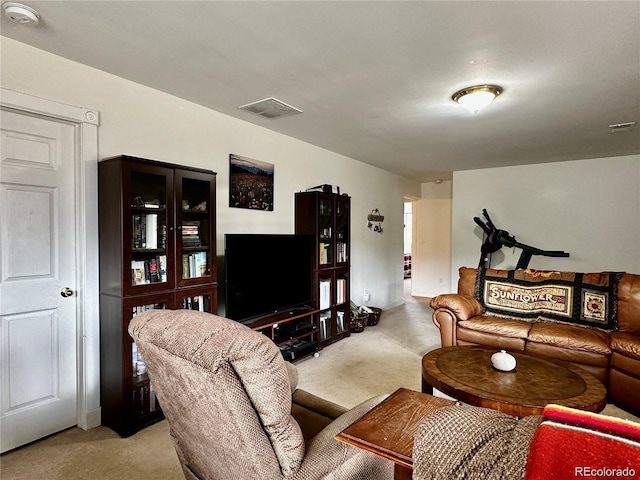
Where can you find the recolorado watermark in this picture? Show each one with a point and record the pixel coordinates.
(604, 472)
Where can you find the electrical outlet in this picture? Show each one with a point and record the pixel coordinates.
(366, 296)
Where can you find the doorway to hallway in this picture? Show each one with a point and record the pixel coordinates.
(408, 246)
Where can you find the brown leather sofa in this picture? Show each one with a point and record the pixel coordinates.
(613, 357)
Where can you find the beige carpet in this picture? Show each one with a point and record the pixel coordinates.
(378, 360)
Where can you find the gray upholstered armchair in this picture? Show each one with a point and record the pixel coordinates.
(227, 395)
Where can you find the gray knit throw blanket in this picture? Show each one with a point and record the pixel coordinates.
(462, 442)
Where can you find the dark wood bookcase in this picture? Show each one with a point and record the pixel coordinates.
(327, 216)
(157, 250)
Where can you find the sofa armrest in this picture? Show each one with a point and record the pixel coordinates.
(462, 306)
(448, 309)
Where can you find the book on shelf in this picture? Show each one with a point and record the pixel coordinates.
(191, 234)
(190, 228)
(325, 294)
(191, 241)
(324, 253)
(137, 272)
(154, 274)
(341, 252)
(341, 290)
(153, 270)
(146, 232)
(194, 264)
(143, 308)
(138, 228)
(162, 267)
(194, 303)
(325, 326)
(341, 327)
(151, 230)
(142, 398)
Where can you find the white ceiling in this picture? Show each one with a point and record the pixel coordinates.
(375, 78)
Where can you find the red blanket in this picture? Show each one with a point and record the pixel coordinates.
(572, 444)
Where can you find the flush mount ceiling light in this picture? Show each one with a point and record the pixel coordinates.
(622, 127)
(476, 98)
(20, 13)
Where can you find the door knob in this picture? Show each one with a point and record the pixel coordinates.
(66, 292)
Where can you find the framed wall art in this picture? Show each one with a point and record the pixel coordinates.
(250, 183)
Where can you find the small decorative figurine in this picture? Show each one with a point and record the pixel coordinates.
(503, 361)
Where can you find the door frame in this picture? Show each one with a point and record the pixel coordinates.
(85, 122)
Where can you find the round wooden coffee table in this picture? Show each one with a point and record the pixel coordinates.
(466, 374)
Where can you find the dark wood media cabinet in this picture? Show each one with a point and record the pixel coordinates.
(294, 346)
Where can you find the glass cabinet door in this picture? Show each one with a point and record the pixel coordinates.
(143, 397)
(343, 217)
(325, 230)
(195, 237)
(147, 226)
(325, 302)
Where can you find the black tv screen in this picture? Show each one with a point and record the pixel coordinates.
(266, 274)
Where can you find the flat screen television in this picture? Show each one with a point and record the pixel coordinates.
(266, 274)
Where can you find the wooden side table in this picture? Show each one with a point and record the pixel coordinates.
(388, 429)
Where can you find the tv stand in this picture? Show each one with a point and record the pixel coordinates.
(294, 346)
(302, 309)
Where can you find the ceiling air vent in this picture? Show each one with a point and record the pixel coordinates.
(270, 108)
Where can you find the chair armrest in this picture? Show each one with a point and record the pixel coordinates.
(448, 309)
(318, 405)
(327, 457)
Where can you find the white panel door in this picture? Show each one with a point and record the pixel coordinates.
(37, 263)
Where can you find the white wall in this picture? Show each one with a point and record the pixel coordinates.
(431, 255)
(137, 120)
(140, 121)
(589, 208)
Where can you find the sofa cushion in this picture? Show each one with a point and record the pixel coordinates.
(626, 344)
(506, 327)
(623, 388)
(570, 337)
(474, 337)
(467, 281)
(626, 364)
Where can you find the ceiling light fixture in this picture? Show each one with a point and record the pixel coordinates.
(622, 127)
(20, 13)
(477, 97)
